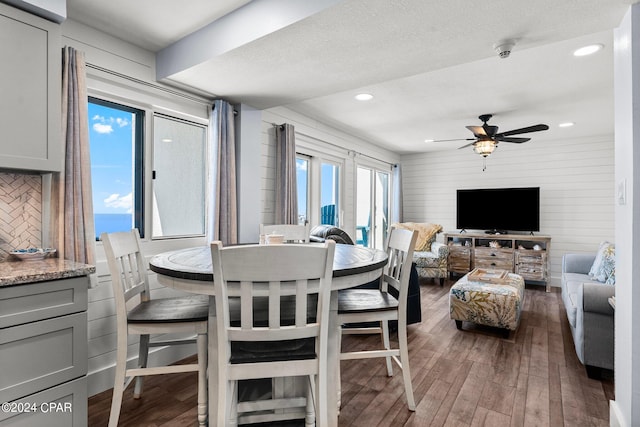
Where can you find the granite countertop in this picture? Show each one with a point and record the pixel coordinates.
(22, 272)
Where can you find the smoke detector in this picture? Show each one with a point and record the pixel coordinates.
(503, 49)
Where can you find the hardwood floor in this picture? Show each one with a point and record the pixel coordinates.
(473, 377)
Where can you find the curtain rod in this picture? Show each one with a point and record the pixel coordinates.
(342, 148)
(151, 85)
(235, 112)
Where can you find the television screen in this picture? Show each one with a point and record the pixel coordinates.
(499, 209)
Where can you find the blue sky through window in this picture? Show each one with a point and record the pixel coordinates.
(112, 143)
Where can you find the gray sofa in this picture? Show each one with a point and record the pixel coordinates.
(589, 312)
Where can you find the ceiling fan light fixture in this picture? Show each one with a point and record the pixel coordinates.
(485, 147)
(588, 50)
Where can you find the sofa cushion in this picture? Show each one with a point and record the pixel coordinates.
(426, 233)
(572, 281)
(604, 266)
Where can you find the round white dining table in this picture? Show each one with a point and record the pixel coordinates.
(190, 270)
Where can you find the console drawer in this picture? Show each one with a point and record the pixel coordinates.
(459, 259)
(531, 272)
(493, 258)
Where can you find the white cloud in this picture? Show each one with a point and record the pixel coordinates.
(301, 166)
(122, 122)
(120, 202)
(104, 125)
(102, 128)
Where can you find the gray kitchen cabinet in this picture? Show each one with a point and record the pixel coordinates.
(30, 105)
(43, 347)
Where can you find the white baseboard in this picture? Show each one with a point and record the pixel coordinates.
(102, 379)
(615, 416)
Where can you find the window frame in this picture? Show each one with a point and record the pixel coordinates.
(375, 168)
(306, 158)
(138, 186)
(338, 203)
(316, 158)
(149, 105)
(159, 114)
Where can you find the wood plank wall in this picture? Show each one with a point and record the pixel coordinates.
(575, 176)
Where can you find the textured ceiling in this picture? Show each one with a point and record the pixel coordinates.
(430, 64)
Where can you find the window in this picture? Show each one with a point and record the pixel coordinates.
(179, 182)
(372, 209)
(302, 177)
(176, 159)
(329, 189)
(116, 140)
(319, 183)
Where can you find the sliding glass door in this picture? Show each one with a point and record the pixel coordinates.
(372, 208)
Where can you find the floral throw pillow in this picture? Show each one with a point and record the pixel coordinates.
(604, 266)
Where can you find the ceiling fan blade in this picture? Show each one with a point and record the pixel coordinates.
(512, 139)
(468, 145)
(478, 131)
(457, 139)
(534, 128)
(490, 131)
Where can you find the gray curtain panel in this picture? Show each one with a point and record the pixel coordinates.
(73, 231)
(225, 208)
(396, 208)
(286, 182)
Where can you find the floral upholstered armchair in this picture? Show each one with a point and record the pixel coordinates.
(429, 256)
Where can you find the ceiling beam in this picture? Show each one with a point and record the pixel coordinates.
(252, 21)
(53, 10)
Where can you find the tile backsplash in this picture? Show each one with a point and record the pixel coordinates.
(20, 212)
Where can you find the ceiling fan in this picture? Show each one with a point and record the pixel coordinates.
(486, 137)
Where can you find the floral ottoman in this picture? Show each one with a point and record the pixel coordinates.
(490, 304)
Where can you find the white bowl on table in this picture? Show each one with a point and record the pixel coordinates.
(274, 239)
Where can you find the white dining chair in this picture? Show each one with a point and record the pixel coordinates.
(150, 316)
(357, 306)
(282, 294)
(291, 232)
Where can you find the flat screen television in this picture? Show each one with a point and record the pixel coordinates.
(499, 210)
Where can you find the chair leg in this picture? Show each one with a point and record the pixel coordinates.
(384, 325)
(441, 281)
(202, 379)
(232, 408)
(143, 357)
(404, 361)
(225, 393)
(310, 416)
(119, 382)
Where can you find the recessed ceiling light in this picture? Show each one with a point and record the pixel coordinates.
(429, 140)
(364, 97)
(566, 125)
(588, 50)
(167, 140)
